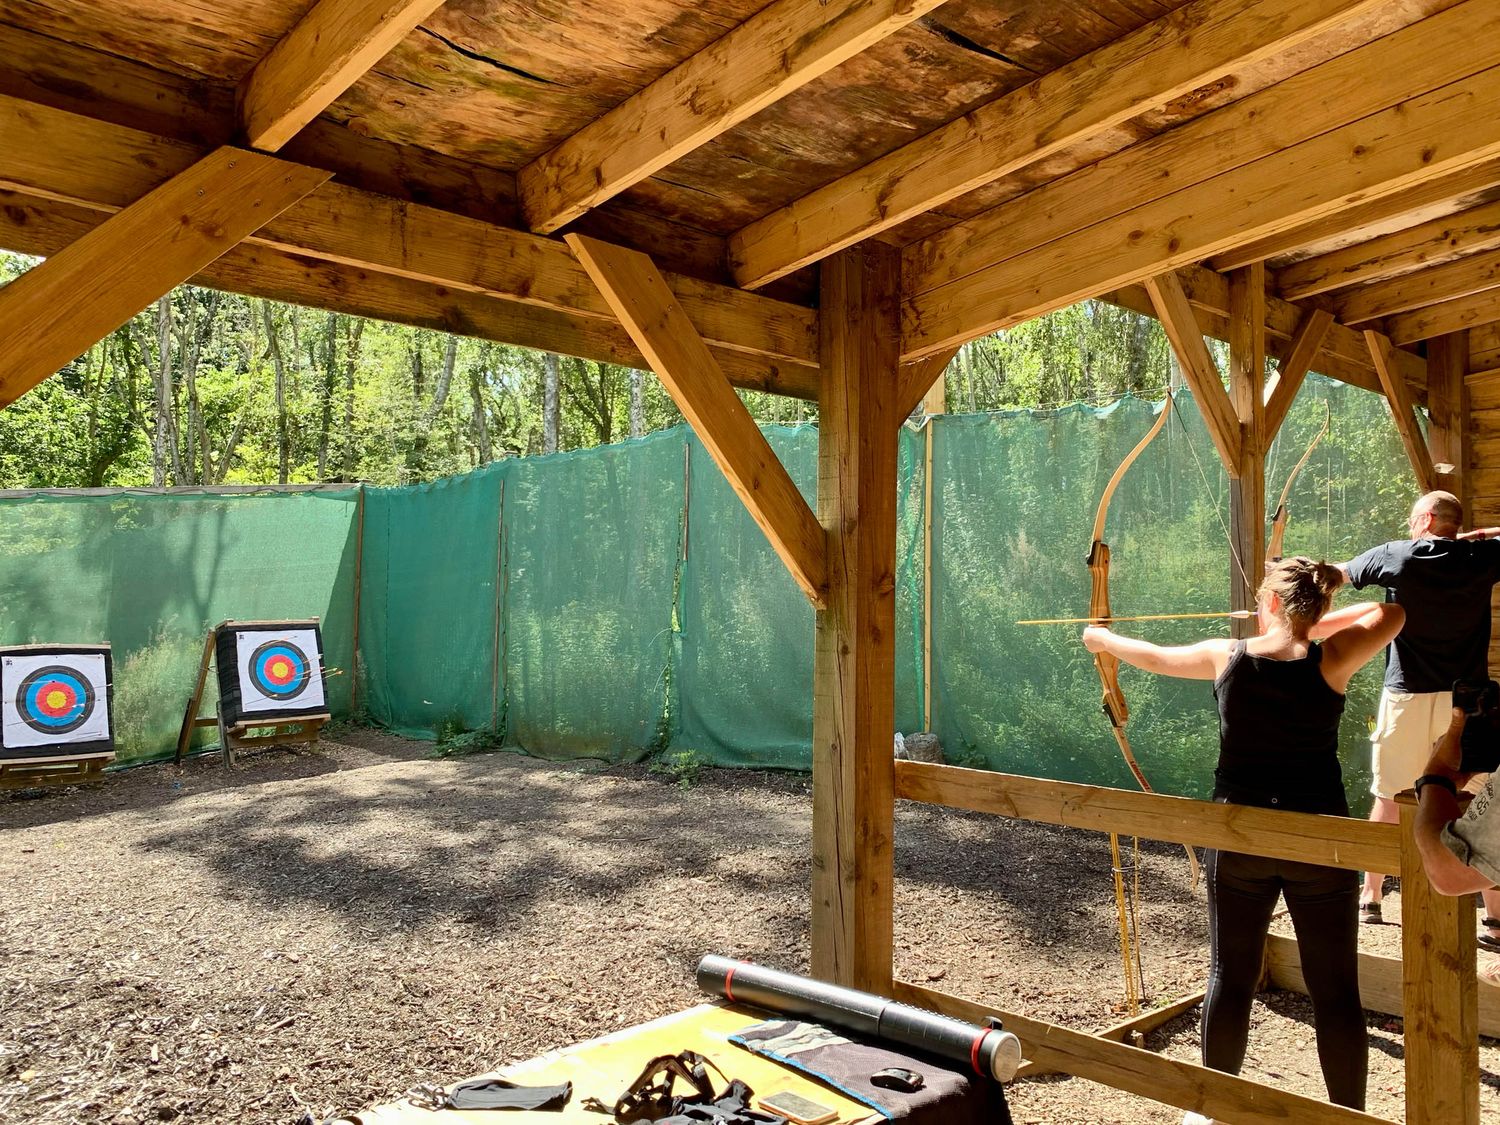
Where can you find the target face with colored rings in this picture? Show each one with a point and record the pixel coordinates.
(279, 670)
(54, 700)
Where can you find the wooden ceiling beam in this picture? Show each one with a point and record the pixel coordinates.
(780, 49)
(1392, 255)
(1441, 319)
(1140, 71)
(651, 314)
(328, 51)
(1282, 388)
(1402, 410)
(1434, 285)
(1394, 69)
(30, 225)
(1434, 193)
(1422, 139)
(1175, 312)
(59, 309)
(60, 155)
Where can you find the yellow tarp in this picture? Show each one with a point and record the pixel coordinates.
(603, 1068)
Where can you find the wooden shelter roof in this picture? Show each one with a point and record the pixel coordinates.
(1021, 153)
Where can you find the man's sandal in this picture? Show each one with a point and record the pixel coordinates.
(1369, 913)
(1488, 941)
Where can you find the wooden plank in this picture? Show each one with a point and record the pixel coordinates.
(1365, 81)
(655, 320)
(854, 662)
(776, 51)
(1381, 981)
(33, 226)
(1247, 486)
(1178, 320)
(1143, 70)
(1281, 388)
(1449, 316)
(1441, 192)
(1431, 286)
(60, 155)
(914, 380)
(1395, 254)
(1440, 997)
(1405, 417)
(1448, 411)
(1334, 841)
(59, 309)
(1223, 1097)
(1484, 348)
(328, 50)
(1418, 140)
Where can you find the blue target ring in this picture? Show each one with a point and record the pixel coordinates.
(279, 670)
(54, 700)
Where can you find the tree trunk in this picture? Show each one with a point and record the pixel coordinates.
(478, 374)
(273, 346)
(445, 380)
(351, 363)
(637, 403)
(330, 381)
(551, 404)
(162, 451)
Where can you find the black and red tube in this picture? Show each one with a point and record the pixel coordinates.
(989, 1051)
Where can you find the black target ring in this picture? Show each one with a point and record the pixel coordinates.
(36, 708)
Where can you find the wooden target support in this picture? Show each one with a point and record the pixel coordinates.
(70, 769)
(234, 737)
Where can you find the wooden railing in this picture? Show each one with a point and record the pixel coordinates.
(1438, 991)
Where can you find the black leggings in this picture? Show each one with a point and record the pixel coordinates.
(1324, 901)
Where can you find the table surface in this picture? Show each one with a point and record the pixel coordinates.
(603, 1068)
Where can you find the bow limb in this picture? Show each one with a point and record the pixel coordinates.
(1278, 522)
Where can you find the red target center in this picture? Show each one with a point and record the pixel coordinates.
(56, 699)
(279, 671)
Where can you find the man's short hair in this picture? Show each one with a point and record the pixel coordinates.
(1447, 512)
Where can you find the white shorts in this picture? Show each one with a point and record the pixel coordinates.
(1406, 727)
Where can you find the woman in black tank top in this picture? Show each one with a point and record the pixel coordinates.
(1280, 696)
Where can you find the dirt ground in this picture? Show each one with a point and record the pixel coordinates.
(321, 930)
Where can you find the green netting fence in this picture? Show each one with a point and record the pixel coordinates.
(619, 602)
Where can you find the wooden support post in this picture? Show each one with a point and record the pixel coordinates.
(1247, 486)
(1175, 312)
(1382, 352)
(854, 663)
(922, 383)
(61, 308)
(1440, 994)
(1448, 408)
(1282, 387)
(649, 311)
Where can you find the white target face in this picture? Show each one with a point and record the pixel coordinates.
(53, 699)
(280, 670)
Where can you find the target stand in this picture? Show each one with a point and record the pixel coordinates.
(271, 686)
(56, 714)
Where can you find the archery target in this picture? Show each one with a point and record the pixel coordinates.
(279, 671)
(54, 698)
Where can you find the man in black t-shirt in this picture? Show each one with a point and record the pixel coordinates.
(1442, 577)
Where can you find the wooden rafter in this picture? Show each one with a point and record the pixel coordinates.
(1433, 193)
(51, 153)
(1102, 90)
(1441, 319)
(1395, 254)
(43, 227)
(1282, 387)
(59, 309)
(655, 320)
(913, 380)
(1176, 315)
(778, 50)
(1392, 70)
(1402, 410)
(1421, 139)
(1434, 285)
(328, 50)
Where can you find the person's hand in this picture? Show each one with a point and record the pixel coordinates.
(1096, 638)
(1479, 533)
